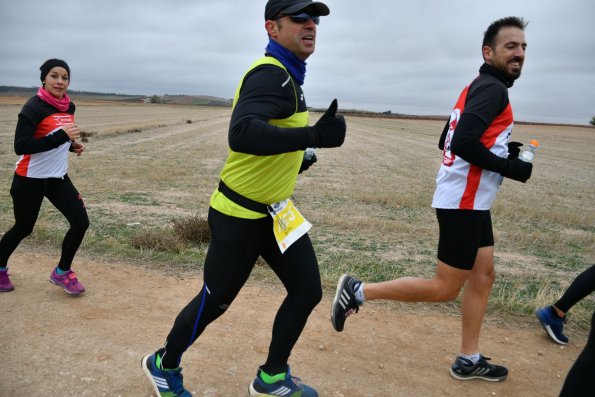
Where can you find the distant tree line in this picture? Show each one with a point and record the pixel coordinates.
(6, 88)
(33, 90)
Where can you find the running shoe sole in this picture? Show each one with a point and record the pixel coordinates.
(552, 334)
(149, 375)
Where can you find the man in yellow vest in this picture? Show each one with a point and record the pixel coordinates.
(251, 213)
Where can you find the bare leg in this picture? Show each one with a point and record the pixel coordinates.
(444, 286)
(475, 299)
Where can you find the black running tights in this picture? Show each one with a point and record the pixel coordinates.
(582, 286)
(235, 246)
(580, 380)
(27, 196)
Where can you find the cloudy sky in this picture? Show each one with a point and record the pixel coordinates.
(404, 56)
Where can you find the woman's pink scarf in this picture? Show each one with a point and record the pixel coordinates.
(60, 104)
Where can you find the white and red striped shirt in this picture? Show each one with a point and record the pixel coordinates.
(461, 185)
(43, 154)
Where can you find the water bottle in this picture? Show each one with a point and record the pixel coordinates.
(529, 153)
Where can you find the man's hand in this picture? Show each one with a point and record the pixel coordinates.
(330, 129)
(518, 170)
(307, 161)
(514, 149)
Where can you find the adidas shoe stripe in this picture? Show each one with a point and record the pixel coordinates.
(480, 371)
(161, 382)
(344, 299)
(282, 391)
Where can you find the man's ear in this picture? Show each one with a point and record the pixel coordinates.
(272, 28)
(488, 53)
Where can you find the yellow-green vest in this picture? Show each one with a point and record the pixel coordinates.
(265, 179)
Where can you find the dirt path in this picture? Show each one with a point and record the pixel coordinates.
(53, 344)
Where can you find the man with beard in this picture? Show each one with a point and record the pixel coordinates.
(476, 157)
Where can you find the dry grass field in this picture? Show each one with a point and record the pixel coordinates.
(369, 201)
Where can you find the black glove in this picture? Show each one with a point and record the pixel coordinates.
(307, 162)
(514, 150)
(518, 170)
(329, 131)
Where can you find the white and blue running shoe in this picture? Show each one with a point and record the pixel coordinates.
(291, 386)
(553, 325)
(167, 383)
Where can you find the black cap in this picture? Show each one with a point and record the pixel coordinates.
(50, 64)
(275, 8)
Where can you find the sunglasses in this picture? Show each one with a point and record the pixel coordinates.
(302, 18)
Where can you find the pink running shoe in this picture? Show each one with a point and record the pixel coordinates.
(68, 281)
(5, 284)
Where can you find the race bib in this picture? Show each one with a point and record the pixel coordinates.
(288, 224)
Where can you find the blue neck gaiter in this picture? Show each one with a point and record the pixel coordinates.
(295, 66)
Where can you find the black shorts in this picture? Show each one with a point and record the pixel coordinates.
(462, 233)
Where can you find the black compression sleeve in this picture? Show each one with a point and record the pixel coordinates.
(467, 145)
(257, 137)
(486, 99)
(26, 143)
(266, 94)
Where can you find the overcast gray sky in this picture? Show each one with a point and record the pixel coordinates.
(404, 56)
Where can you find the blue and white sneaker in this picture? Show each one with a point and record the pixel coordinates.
(291, 386)
(166, 383)
(553, 325)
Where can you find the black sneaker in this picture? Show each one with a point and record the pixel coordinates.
(464, 369)
(344, 303)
